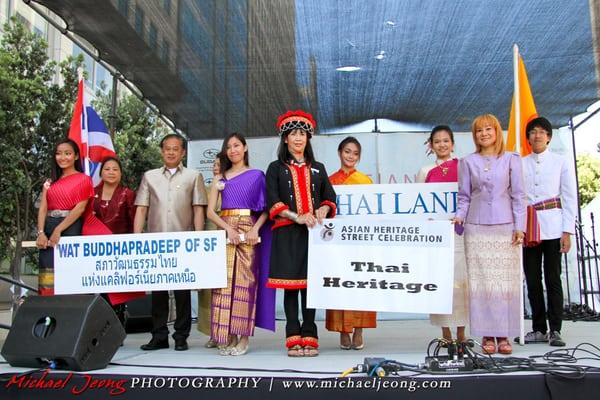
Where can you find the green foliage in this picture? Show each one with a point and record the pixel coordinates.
(34, 114)
(137, 135)
(588, 172)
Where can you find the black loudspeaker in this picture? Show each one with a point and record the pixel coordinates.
(74, 332)
(138, 315)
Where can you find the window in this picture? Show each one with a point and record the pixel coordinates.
(139, 21)
(88, 64)
(103, 79)
(167, 6)
(164, 51)
(152, 36)
(4, 12)
(123, 7)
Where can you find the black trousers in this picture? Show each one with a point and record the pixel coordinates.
(290, 306)
(160, 314)
(532, 259)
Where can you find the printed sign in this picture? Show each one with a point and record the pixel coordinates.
(140, 262)
(381, 264)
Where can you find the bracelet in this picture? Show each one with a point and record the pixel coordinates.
(40, 232)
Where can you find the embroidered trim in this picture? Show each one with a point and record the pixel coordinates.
(276, 209)
(46, 278)
(308, 192)
(279, 222)
(310, 341)
(332, 208)
(294, 174)
(292, 341)
(275, 283)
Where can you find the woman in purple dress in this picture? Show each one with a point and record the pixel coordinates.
(243, 203)
(491, 204)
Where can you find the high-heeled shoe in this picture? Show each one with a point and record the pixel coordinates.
(237, 351)
(357, 341)
(225, 350)
(345, 343)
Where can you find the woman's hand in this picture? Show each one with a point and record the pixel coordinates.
(517, 238)
(321, 213)
(306, 219)
(457, 221)
(41, 241)
(54, 238)
(252, 237)
(233, 236)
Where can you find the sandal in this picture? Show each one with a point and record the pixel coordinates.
(311, 345)
(237, 351)
(225, 350)
(295, 351)
(310, 351)
(488, 345)
(504, 347)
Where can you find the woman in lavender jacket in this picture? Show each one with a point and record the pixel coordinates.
(491, 204)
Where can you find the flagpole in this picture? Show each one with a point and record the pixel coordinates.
(85, 160)
(517, 119)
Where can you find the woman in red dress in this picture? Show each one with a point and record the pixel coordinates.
(113, 202)
(64, 209)
(113, 205)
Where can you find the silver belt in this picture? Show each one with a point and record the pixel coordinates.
(58, 213)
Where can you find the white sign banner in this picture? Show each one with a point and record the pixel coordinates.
(140, 262)
(416, 200)
(381, 264)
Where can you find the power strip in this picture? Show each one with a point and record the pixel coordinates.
(443, 363)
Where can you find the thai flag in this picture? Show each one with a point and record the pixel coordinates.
(91, 135)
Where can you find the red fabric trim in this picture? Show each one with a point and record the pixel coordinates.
(122, 297)
(279, 222)
(286, 283)
(332, 208)
(46, 291)
(306, 193)
(277, 209)
(310, 341)
(292, 341)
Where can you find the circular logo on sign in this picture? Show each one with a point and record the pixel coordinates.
(327, 232)
(210, 153)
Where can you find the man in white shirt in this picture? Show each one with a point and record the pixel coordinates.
(552, 203)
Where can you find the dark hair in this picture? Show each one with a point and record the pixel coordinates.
(111, 158)
(350, 139)
(174, 135)
(283, 154)
(224, 160)
(439, 128)
(539, 122)
(57, 171)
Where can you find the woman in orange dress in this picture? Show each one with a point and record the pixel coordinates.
(348, 322)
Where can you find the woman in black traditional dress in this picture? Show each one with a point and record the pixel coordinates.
(299, 196)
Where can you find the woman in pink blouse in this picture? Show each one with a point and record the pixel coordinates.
(491, 204)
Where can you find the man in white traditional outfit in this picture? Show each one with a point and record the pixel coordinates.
(552, 203)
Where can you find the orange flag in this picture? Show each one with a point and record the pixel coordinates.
(527, 113)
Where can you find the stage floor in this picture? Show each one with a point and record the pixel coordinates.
(405, 341)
